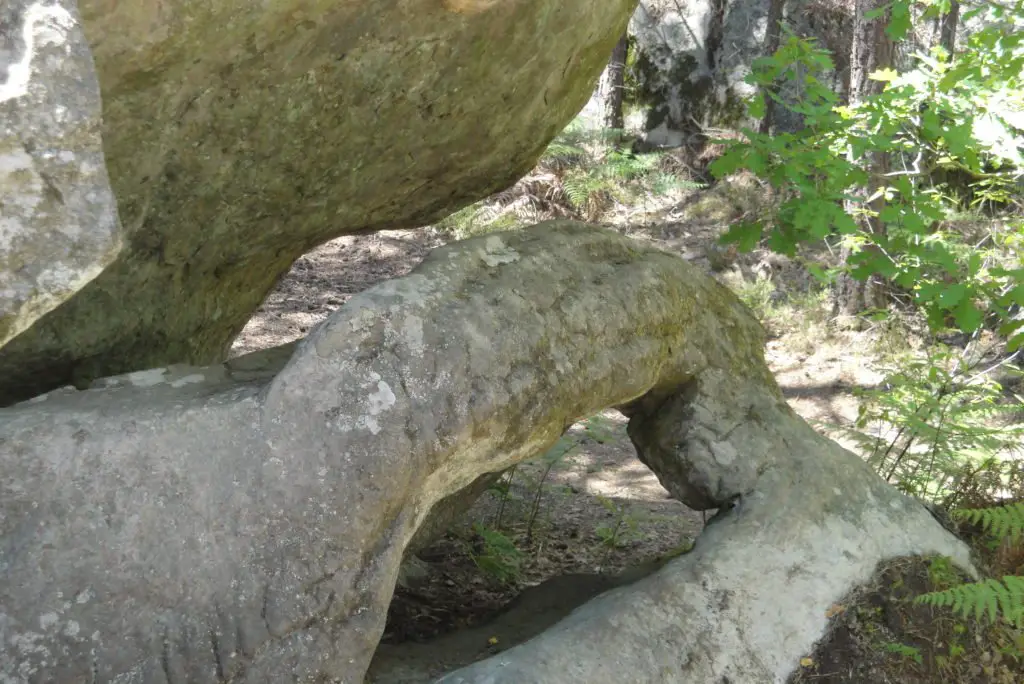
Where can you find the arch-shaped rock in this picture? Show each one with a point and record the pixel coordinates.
(246, 521)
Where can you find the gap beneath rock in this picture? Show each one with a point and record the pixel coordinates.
(602, 521)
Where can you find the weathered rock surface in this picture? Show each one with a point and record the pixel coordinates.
(229, 522)
(808, 522)
(693, 59)
(58, 219)
(238, 135)
(188, 522)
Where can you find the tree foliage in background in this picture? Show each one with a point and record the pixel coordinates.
(951, 130)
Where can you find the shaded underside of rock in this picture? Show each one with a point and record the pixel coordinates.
(58, 219)
(239, 135)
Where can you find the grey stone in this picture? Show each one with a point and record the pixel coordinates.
(184, 522)
(245, 523)
(58, 220)
(805, 523)
(239, 135)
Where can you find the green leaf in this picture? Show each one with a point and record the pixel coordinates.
(967, 316)
(745, 235)
(732, 159)
(756, 106)
(885, 75)
(818, 272)
(1016, 294)
(899, 20)
(1010, 327)
(952, 295)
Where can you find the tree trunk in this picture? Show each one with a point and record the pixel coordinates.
(947, 29)
(773, 34)
(872, 49)
(612, 85)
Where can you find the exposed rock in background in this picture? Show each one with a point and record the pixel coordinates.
(224, 523)
(692, 58)
(58, 219)
(238, 135)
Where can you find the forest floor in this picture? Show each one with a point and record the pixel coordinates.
(565, 529)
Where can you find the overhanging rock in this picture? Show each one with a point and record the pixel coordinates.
(238, 135)
(233, 522)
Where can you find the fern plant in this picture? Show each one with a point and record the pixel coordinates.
(1003, 522)
(936, 422)
(989, 598)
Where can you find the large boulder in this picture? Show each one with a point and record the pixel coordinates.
(58, 219)
(240, 134)
(246, 522)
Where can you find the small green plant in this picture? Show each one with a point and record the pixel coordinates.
(904, 651)
(595, 428)
(498, 556)
(552, 457)
(934, 421)
(623, 528)
(989, 598)
(757, 294)
(956, 649)
(503, 488)
(477, 219)
(941, 572)
(582, 173)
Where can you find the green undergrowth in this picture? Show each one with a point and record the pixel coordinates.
(881, 634)
(584, 174)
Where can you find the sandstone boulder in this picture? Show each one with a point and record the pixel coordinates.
(58, 220)
(246, 522)
(238, 135)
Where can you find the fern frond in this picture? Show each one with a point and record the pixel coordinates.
(559, 150)
(989, 598)
(1002, 521)
(581, 186)
(662, 183)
